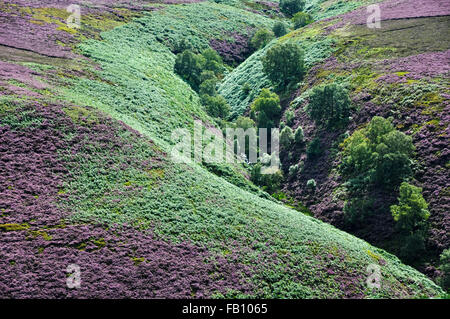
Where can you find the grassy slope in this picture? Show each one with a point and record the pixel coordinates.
(113, 174)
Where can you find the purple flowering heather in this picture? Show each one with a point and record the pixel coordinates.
(395, 9)
(235, 49)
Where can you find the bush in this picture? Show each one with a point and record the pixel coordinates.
(413, 248)
(284, 63)
(329, 104)
(378, 154)
(212, 62)
(290, 7)
(266, 109)
(298, 136)
(207, 75)
(261, 38)
(286, 137)
(293, 169)
(246, 89)
(189, 67)
(412, 210)
(197, 68)
(311, 184)
(244, 122)
(314, 149)
(269, 182)
(216, 106)
(279, 29)
(208, 87)
(300, 19)
(357, 209)
(290, 115)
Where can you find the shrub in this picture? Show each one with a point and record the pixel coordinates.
(216, 106)
(412, 210)
(377, 154)
(413, 248)
(212, 61)
(246, 88)
(266, 109)
(189, 66)
(293, 169)
(208, 87)
(182, 45)
(279, 29)
(284, 63)
(314, 148)
(329, 104)
(290, 7)
(269, 182)
(300, 19)
(298, 136)
(207, 75)
(357, 209)
(311, 184)
(261, 38)
(244, 122)
(290, 115)
(286, 137)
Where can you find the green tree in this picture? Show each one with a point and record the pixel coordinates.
(271, 183)
(207, 75)
(208, 87)
(284, 63)
(189, 67)
(314, 148)
(329, 104)
(261, 38)
(290, 115)
(378, 155)
(216, 106)
(299, 136)
(244, 122)
(212, 61)
(279, 29)
(290, 7)
(300, 19)
(311, 184)
(286, 137)
(412, 210)
(266, 109)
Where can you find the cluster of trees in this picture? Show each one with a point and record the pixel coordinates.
(202, 72)
(294, 9)
(284, 64)
(378, 157)
(329, 105)
(291, 7)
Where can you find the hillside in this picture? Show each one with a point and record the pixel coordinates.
(86, 117)
(400, 70)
